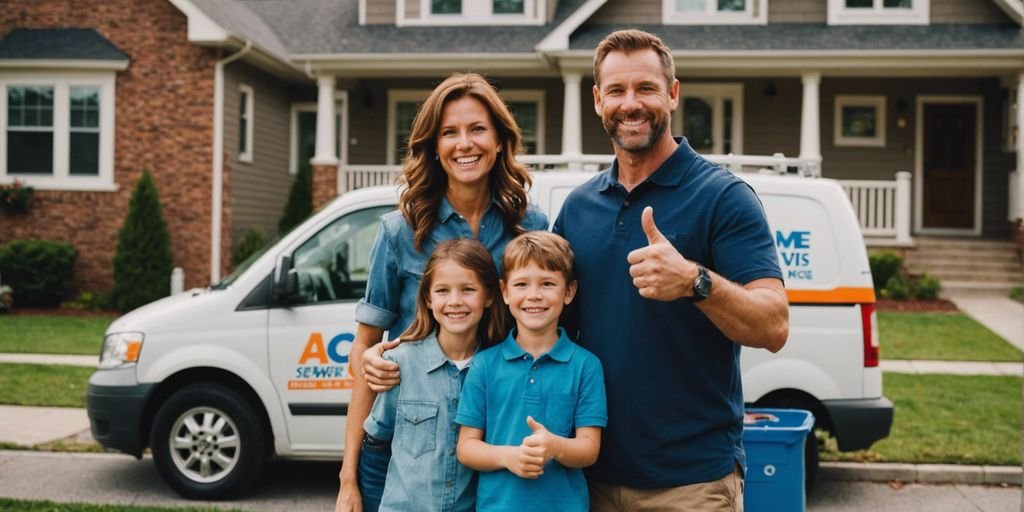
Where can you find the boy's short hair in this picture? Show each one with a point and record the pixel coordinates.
(543, 248)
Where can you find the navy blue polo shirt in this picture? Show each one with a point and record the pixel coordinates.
(675, 401)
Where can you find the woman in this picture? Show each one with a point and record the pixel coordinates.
(461, 180)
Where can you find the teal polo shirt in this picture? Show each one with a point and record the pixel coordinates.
(563, 390)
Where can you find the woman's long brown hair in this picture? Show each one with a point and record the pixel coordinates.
(425, 181)
(469, 254)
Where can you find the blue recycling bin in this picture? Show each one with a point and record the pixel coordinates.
(774, 442)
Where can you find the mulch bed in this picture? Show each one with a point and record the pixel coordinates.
(914, 305)
(61, 312)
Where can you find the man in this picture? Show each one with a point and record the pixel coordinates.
(666, 304)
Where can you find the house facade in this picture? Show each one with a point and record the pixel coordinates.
(912, 103)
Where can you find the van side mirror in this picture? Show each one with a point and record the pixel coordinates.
(286, 281)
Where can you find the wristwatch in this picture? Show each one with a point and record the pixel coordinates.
(701, 285)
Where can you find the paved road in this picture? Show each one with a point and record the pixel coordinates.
(311, 486)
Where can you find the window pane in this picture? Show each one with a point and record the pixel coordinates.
(727, 132)
(33, 104)
(85, 153)
(856, 4)
(85, 107)
(243, 124)
(525, 113)
(29, 152)
(732, 5)
(697, 123)
(691, 5)
(405, 111)
(898, 4)
(509, 6)
(446, 6)
(858, 121)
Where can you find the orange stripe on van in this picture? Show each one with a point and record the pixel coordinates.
(833, 296)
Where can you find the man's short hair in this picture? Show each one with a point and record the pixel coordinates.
(632, 40)
(542, 248)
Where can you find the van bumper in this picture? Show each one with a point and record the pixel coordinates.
(115, 403)
(857, 424)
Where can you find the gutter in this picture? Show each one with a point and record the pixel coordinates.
(217, 192)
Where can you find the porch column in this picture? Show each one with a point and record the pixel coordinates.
(902, 212)
(572, 120)
(1018, 194)
(325, 162)
(810, 126)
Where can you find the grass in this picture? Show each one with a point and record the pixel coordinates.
(9, 505)
(951, 419)
(941, 336)
(43, 385)
(52, 334)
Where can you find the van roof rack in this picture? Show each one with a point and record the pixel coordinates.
(776, 164)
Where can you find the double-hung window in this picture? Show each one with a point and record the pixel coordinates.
(245, 122)
(878, 12)
(58, 130)
(714, 12)
(472, 12)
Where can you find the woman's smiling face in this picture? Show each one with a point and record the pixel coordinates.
(467, 142)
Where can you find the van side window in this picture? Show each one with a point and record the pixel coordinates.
(333, 265)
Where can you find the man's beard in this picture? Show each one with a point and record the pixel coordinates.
(658, 125)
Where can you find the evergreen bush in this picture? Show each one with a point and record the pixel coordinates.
(300, 200)
(142, 263)
(253, 240)
(896, 288)
(926, 287)
(884, 265)
(40, 271)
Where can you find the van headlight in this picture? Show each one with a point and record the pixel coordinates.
(120, 348)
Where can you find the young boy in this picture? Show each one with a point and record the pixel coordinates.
(533, 406)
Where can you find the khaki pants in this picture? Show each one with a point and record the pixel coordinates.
(723, 495)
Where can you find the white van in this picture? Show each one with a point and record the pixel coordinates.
(216, 380)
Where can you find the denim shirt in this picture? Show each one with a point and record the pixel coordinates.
(396, 267)
(418, 417)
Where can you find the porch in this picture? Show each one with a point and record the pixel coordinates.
(883, 207)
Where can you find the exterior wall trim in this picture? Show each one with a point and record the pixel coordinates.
(558, 39)
(65, 64)
(978, 103)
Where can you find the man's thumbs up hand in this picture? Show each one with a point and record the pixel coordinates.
(659, 272)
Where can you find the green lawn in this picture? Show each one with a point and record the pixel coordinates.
(49, 385)
(9, 505)
(52, 334)
(940, 336)
(949, 419)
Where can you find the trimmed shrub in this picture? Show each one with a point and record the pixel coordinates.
(142, 263)
(253, 240)
(896, 288)
(926, 287)
(40, 271)
(884, 265)
(300, 200)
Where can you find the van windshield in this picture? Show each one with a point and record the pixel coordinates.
(243, 266)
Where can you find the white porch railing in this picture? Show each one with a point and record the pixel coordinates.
(1016, 196)
(882, 207)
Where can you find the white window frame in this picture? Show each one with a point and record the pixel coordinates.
(474, 12)
(840, 14)
(717, 93)
(712, 16)
(878, 102)
(340, 111)
(534, 96)
(248, 113)
(61, 178)
(419, 95)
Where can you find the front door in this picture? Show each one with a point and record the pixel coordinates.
(949, 165)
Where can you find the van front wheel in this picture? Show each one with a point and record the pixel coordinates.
(207, 442)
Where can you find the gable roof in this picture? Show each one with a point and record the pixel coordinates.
(239, 20)
(59, 44)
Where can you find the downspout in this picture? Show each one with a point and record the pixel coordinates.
(217, 194)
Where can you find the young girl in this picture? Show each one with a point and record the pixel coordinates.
(456, 313)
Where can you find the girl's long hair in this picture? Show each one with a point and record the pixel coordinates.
(471, 255)
(424, 180)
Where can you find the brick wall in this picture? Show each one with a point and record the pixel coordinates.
(164, 119)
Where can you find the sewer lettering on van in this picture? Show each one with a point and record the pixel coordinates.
(324, 365)
(795, 254)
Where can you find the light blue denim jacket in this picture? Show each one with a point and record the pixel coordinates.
(418, 417)
(396, 267)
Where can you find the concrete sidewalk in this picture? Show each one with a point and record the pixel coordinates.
(62, 359)
(1002, 315)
